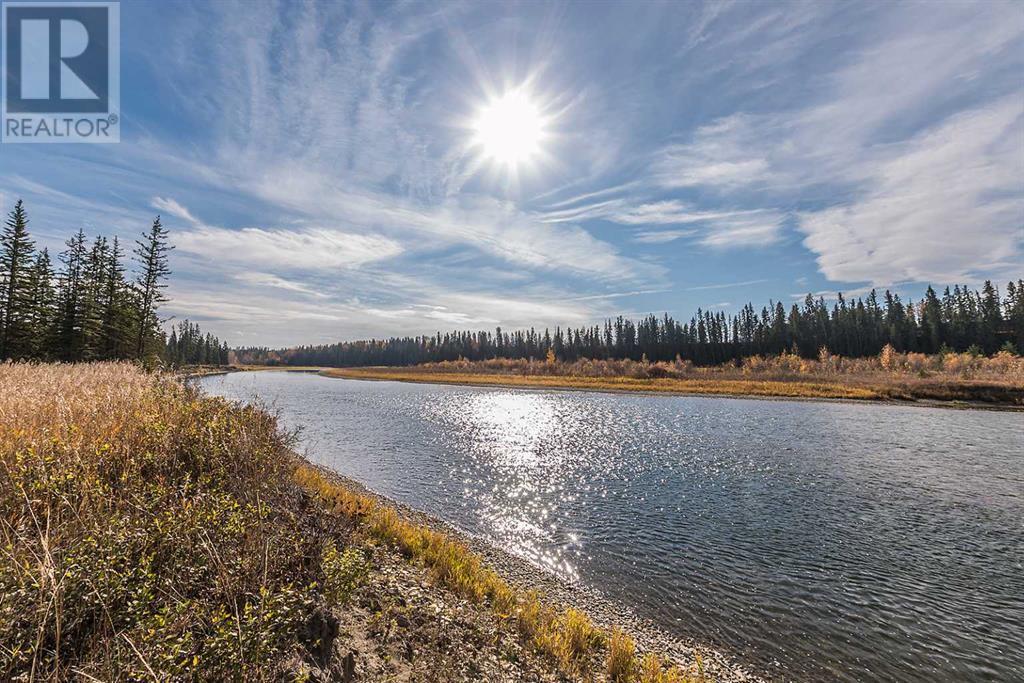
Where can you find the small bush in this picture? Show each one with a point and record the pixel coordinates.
(344, 571)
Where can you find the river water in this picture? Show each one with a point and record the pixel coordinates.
(809, 540)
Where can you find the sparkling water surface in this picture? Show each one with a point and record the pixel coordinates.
(809, 540)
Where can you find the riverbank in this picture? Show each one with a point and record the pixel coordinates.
(973, 394)
(155, 532)
(526, 578)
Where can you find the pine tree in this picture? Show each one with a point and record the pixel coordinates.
(94, 288)
(151, 253)
(68, 335)
(991, 319)
(117, 327)
(16, 260)
(1015, 313)
(43, 309)
(931, 322)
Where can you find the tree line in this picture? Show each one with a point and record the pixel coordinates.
(961, 319)
(88, 307)
(187, 345)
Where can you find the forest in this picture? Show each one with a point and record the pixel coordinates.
(89, 308)
(961, 319)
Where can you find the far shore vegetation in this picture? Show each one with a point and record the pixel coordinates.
(152, 532)
(889, 376)
(960, 346)
(961, 320)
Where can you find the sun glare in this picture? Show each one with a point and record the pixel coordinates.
(510, 129)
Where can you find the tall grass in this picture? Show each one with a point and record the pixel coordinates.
(148, 531)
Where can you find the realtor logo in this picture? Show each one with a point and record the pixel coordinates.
(61, 72)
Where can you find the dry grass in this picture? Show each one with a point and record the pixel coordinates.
(150, 531)
(737, 387)
(891, 375)
(146, 528)
(621, 662)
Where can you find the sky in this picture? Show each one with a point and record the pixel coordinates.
(321, 168)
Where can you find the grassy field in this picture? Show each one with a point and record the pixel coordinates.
(997, 381)
(152, 532)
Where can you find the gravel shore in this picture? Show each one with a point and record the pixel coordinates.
(556, 591)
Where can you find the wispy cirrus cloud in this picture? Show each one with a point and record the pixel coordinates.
(303, 249)
(904, 200)
(902, 228)
(275, 282)
(721, 229)
(172, 207)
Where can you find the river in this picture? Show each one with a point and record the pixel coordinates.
(809, 540)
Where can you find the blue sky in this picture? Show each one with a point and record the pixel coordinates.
(315, 164)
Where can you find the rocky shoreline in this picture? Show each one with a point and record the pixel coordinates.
(555, 591)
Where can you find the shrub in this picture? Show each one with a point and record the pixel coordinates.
(344, 571)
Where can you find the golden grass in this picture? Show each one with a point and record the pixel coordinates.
(732, 387)
(568, 637)
(890, 376)
(621, 661)
(148, 531)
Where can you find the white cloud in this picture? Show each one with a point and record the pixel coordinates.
(757, 230)
(724, 230)
(496, 227)
(904, 201)
(269, 280)
(661, 236)
(168, 205)
(310, 248)
(669, 212)
(727, 285)
(944, 206)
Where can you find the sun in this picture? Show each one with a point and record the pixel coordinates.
(510, 129)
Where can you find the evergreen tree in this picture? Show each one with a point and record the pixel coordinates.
(43, 307)
(990, 318)
(931, 322)
(1015, 313)
(151, 253)
(118, 315)
(94, 292)
(16, 260)
(70, 300)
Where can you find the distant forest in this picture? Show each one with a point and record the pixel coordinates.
(961, 319)
(88, 308)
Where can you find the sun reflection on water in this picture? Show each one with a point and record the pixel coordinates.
(519, 470)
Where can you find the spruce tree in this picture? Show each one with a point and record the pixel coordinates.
(16, 260)
(118, 325)
(991, 319)
(94, 288)
(151, 254)
(43, 309)
(70, 299)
